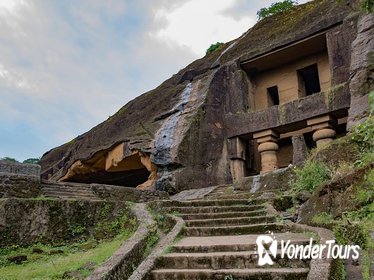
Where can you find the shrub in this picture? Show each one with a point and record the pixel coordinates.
(214, 47)
(276, 8)
(310, 176)
(368, 5)
(363, 135)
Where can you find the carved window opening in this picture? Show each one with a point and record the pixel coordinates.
(273, 95)
(309, 82)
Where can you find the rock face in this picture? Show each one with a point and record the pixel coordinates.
(177, 136)
(362, 70)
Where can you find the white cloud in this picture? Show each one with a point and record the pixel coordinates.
(197, 24)
(65, 66)
(12, 79)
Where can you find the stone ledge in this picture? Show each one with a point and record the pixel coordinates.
(19, 185)
(277, 180)
(292, 115)
(20, 168)
(129, 255)
(320, 269)
(110, 192)
(147, 265)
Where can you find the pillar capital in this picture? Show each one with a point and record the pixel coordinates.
(268, 146)
(268, 135)
(323, 127)
(321, 122)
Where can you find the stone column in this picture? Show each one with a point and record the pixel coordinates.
(237, 158)
(323, 128)
(267, 148)
(300, 150)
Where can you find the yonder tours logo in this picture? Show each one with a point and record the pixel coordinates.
(268, 248)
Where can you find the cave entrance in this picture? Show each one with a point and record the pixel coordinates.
(127, 178)
(119, 166)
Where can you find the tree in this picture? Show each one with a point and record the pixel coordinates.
(214, 47)
(31, 160)
(9, 159)
(276, 8)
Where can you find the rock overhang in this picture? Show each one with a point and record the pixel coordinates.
(139, 121)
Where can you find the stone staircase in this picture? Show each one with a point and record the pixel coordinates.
(220, 240)
(68, 191)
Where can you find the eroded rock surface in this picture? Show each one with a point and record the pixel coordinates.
(177, 136)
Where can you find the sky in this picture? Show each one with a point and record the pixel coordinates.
(67, 65)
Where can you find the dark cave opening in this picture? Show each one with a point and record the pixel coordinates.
(129, 178)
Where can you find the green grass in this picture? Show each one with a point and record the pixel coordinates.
(312, 175)
(323, 219)
(45, 266)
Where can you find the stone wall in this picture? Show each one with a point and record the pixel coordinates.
(26, 221)
(19, 180)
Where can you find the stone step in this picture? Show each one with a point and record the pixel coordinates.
(221, 215)
(74, 198)
(71, 195)
(237, 274)
(230, 243)
(214, 209)
(234, 196)
(232, 230)
(215, 202)
(68, 189)
(61, 186)
(223, 260)
(59, 193)
(78, 195)
(230, 221)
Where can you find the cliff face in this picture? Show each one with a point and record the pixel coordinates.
(176, 136)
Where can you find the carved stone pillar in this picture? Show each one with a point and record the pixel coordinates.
(267, 148)
(237, 158)
(323, 127)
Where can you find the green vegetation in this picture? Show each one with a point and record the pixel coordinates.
(52, 261)
(310, 176)
(323, 218)
(9, 159)
(32, 160)
(363, 135)
(275, 8)
(164, 222)
(338, 270)
(371, 101)
(353, 180)
(46, 264)
(214, 47)
(13, 160)
(109, 228)
(229, 277)
(151, 242)
(354, 226)
(368, 5)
